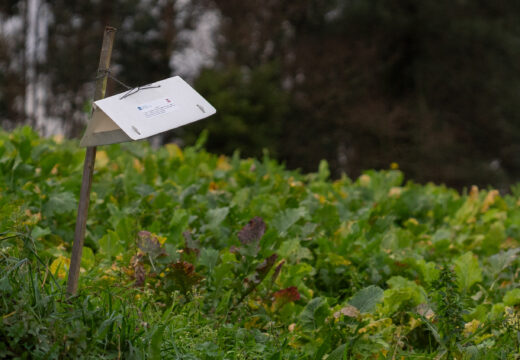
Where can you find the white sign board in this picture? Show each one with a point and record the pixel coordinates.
(145, 111)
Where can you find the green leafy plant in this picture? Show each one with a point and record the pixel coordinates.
(189, 254)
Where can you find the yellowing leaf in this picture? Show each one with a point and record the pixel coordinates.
(395, 192)
(213, 186)
(54, 170)
(60, 267)
(58, 138)
(489, 200)
(413, 323)
(471, 327)
(473, 193)
(174, 151)
(374, 325)
(293, 183)
(509, 243)
(338, 260)
(364, 180)
(101, 159)
(223, 164)
(138, 166)
(162, 239)
(412, 221)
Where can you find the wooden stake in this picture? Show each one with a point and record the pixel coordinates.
(88, 168)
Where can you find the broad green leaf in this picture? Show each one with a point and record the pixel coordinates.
(87, 258)
(178, 224)
(340, 353)
(494, 237)
(293, 251)
(499, 262)
(467, 211)
(314, 313)
(467, 270)
(365, 300)
(60, 203)
(295, 274)
(497, 311)
(110, 244)
(216, 216)
(428, 270)
(512, 297)
(125, 229)
(37, 232)
(480, 312)
(209, 258)
(241, 198)
(285, 219)
(403, 293)
(322, 350)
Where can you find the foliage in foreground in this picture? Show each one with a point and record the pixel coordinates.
(190, 255)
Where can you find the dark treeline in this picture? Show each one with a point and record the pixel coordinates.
(433, 85)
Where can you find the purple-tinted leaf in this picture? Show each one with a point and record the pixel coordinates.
(139, 271)
(264, 267)
(253, 231)
(287, 295)
(149, 244)
(191, 247)
(277, 271)
(184, 276)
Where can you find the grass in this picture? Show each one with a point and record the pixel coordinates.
(39, 321)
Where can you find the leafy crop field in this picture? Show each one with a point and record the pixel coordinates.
(189, 255)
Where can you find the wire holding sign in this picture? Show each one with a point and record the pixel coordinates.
(137, 89)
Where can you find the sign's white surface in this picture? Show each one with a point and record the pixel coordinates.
(144, 112)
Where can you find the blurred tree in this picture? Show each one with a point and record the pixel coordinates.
(70, 51)
(12, 61)
(251, 109)
(448, 76)
(144, 44)
(433, 85)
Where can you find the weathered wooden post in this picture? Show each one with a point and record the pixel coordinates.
(88, 167)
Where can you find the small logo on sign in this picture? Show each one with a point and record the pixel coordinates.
(144, 107)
